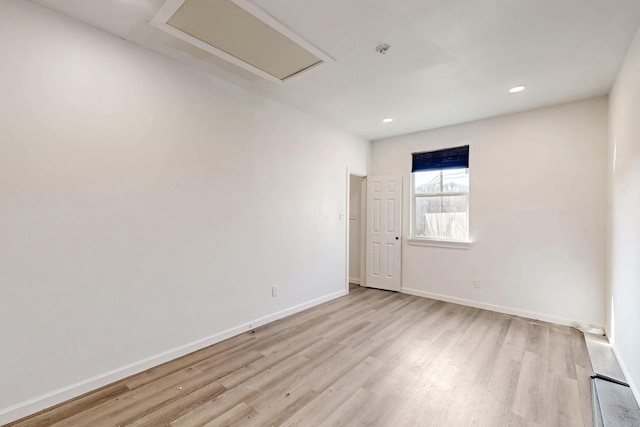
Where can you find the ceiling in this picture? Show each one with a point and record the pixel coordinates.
(450, 61)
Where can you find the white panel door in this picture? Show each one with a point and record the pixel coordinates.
(384, 225)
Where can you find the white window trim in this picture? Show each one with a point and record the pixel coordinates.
(440, 243)
(428, 241)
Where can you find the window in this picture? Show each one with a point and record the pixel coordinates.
(440, 195)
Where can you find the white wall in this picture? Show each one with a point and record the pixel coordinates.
(537, 217)
(623, 290)
(147, 209)
(355, 222)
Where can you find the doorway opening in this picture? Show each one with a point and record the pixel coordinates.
(355, 231)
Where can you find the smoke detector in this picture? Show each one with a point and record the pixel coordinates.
(382, 48)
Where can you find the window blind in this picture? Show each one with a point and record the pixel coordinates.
(449, 158)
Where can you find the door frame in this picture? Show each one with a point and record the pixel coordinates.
(363, 220)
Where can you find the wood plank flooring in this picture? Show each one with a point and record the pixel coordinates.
(372, 358)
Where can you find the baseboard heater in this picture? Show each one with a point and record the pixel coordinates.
(613, 402)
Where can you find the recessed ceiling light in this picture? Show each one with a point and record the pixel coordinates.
(387, 120)
(517, 89)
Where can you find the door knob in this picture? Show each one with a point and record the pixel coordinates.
(397, 238)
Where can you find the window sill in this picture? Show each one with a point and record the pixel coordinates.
(449, 244)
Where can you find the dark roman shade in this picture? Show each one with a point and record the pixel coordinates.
(449, 158)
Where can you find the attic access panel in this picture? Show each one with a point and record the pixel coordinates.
(241, 33)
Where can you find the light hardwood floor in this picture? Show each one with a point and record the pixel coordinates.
(372, 358)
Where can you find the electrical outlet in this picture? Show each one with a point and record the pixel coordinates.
(477, 283)
(274, 291)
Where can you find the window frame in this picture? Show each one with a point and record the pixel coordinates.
(433, 241)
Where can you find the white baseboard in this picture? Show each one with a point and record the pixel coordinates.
(63, 394)
(496, 308)
(627, 376)
(354, 280)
